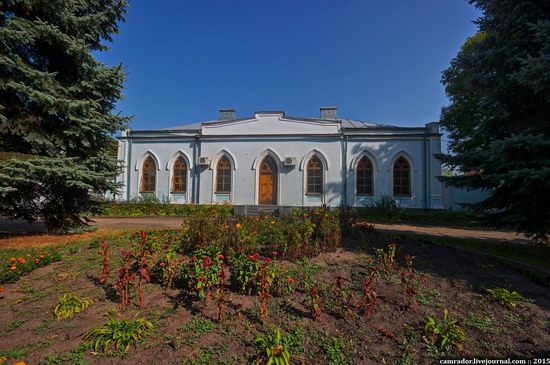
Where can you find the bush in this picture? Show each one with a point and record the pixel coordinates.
(348, 217)
(154, 207)
(386, 208)
(206, 225)
(303, 233)
(326, 224)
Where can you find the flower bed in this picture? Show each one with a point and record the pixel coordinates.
(20, 263)
(303, 233)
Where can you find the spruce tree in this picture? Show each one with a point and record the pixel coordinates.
(498, 118)
(56, 108)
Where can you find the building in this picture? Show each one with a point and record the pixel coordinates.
(274, 159)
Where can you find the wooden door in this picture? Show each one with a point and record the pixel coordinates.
(267, 185)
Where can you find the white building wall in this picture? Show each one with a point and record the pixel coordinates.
(383, 153)
(164, 153)
(246, 142)
(247, 155)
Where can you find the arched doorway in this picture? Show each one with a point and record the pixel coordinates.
(267, 185)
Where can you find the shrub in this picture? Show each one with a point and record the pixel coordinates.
(361, 231)
(71, 304)
(118, 335)
(444, 335)
(270, 235)
(299, 230)
(326, 232)
(299, 234)
(505, 297)
(386, 208)
(347, 215)
(206, 225)
(275, 350)
(151, 206)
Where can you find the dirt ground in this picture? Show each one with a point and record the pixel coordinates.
(391, 335)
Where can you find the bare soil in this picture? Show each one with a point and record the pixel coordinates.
(456, 280)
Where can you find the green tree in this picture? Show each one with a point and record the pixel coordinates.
(498, 118)
(56, 108)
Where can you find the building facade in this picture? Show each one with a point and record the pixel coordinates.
(274, 159)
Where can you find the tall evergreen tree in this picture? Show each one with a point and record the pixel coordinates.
(56, 108)
(499, 114)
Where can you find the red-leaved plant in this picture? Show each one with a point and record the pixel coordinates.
(133, 266)
(104, 252)
(315, 303)
(264, 281)
(343, 298)
(125, 276)
(370, 299)
(143, 265)
(410, 281)
(221, 297)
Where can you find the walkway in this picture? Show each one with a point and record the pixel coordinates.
(472, 233)
(17, 230)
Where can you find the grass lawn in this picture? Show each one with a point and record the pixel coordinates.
(358, 305)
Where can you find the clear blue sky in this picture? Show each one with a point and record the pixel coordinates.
(376, 60)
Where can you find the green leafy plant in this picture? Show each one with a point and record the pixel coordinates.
(505, 297)
(202, 273)
(118, 334)
(386, 259)
(444, 335)
(244, 271)
(284, 279)
(70, 304)
(275, 349)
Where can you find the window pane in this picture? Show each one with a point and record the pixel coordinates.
(148, 175)
(314, 176)
(223, 172)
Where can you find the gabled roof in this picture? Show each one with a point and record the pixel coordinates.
(344, 122)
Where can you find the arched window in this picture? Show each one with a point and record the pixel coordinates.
(401, 177)
(314, 176)
(364, 177)
(148, 176)
(179, 176)
(223, 175)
